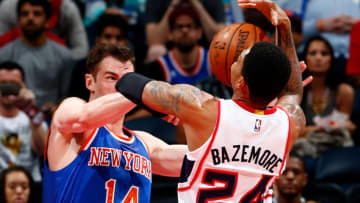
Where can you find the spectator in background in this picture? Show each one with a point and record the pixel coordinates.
(20, 133)
(187, 62)
(332, 20)
(327, 106)
(65, 21)
(15, 185)
(353, 70)
(110, 29)
(133, 12)
(157, 14)
(292, 181)
(47, 65)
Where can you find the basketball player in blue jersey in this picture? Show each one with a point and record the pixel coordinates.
(90, 156)
(237, 147)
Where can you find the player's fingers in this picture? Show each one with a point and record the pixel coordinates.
(243, 1)
(307, 81)
(176, 121)
(252, 1)
(274, 17)
(247, 5)
(303, 66)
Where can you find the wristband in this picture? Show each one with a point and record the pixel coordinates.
(132, 85)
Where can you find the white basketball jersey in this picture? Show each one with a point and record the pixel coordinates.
(242, 158)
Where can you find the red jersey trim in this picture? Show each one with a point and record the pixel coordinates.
(89, 140)
(267, 196)
(255, 111)
(122, 137)
(206, 152)
(287, 142)
(164, 70)
(181, 69)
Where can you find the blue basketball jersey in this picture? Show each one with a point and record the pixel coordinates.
(176, 74)
(109, 168)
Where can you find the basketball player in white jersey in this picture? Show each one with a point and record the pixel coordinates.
(237, 147)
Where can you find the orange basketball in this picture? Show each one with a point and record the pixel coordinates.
(227, 45)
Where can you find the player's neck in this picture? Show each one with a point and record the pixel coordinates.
(187, 59)
(246, 100)
(9, 112)
(117, 126)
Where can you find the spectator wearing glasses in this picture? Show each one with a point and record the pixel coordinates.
(187, 62)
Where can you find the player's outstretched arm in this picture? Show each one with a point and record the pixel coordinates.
(183, 101)
(75, 115)
(166, 160)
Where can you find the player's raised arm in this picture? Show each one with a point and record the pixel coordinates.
(292, 96)
(179, 100)
(74, 115)
(279, 18)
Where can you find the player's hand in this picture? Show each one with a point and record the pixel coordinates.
(269, 9)
(307, 80)
(171, 119)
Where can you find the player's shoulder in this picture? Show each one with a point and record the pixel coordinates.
(148, 140)
(145, 137)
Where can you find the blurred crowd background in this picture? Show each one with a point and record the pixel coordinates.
(43, 50)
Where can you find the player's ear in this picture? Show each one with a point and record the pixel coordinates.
(238, 83)
(89, 82)
(244, 88)
(242, 84)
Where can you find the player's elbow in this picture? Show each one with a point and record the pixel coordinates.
(69, 114)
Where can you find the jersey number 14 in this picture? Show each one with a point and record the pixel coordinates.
(130, 197)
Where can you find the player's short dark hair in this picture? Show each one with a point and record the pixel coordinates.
(43, 3)
(114, 20)
(5, 172)
(100, 51)
(266, 71)
(10, 65)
